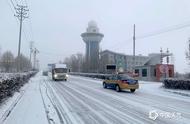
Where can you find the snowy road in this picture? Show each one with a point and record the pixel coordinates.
(82, 100)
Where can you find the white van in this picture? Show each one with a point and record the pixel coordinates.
(59, 72)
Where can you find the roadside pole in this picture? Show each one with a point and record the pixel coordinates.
(134, 49)
(21, 15)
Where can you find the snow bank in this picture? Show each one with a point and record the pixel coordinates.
(11, 82)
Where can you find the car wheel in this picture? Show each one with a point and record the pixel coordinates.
(132, 90)
(65, 79)
(117, 88)
(104, 85)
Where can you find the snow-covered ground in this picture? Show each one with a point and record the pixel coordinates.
(82, 100)
(28, 109)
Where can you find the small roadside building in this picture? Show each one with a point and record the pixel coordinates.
(154, 72)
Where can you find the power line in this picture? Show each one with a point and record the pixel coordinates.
(30, 21)
(165, 30)
(13, 10)
(13, 4)
(10, 5)
(154, 33)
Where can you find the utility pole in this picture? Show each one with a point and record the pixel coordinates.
(35, 61)
(161, 55)
(31, 50)
(167, 58)
(21, 15)
(134, 38)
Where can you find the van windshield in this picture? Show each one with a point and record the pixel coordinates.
(60, 70)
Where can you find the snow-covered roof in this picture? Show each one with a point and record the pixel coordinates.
(60, 66)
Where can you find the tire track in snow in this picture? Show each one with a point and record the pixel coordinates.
(123, 117)
(137, 101)
(45, 107)
(63, 107)
(83, 110)
(148, 99)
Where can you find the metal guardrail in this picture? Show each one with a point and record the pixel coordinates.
(92, 75)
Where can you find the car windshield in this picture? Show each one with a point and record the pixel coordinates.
(124, 77)
(60, 70)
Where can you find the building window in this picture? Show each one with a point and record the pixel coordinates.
(170, 73)
(154, 72)
(144, 72)
(136, 71)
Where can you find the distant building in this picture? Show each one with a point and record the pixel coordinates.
(147, 67)
(92, 38)
(110, 58)
(123, 62)
(139, 61)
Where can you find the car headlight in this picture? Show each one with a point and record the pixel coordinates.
(67, 75)
(55, 75)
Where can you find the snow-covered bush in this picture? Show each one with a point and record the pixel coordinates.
(177, 84)
(12, 82)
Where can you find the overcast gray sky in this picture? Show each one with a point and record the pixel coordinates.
(57, 25)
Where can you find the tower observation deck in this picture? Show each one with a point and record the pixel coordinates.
(92, 38)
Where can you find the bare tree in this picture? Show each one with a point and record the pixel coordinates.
(7, 61)
(75, 62)
(25, 64)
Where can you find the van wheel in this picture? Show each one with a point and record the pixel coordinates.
(65, 79)
(132, 90)
(104, 85)
(117, 88)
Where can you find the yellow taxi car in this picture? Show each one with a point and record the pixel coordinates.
(121, 81)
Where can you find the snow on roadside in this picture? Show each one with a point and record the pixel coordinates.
(157, 88)
(5, 76)
(29, 108)
(179, 92)
(48, 104)
(10, 102)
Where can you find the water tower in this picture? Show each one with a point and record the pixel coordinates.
(92, 38)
